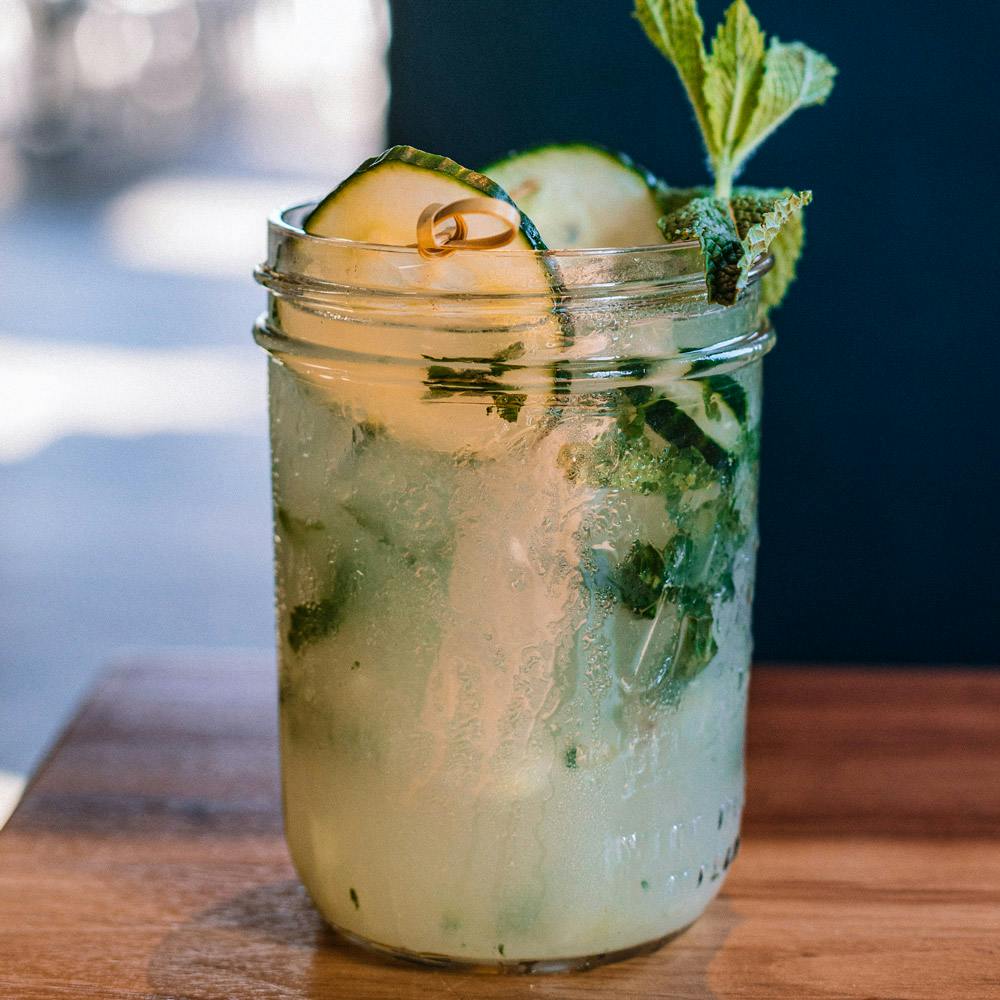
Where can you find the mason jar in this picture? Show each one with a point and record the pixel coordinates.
(515, 529)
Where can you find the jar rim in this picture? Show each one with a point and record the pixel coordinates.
(279, 220)
(299, 263)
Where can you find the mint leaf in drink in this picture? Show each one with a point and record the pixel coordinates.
(313, 620)
(294, 527)
(443, 381)
(731, 392)
(696, 645)
(639, 578)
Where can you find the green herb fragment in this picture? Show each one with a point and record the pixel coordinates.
(785, 251)
(664, 417)
(676, 29)
(733, 77)
(508, 405)
(443, 381)
(697, 645)
(570, 758)
(740, 93)
(658, 448)
(354, 899)
(295, 527)
(795, 76)
(313, 620)
(638, 579)
(708, 221)
(732, 393)
(645, 885)
(500, 948)
(733, 234)
(761, 216)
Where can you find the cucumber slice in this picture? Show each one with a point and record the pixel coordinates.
(381, 201)
(583, 196)
(456, 401)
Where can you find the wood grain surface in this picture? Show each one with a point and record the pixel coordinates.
(147, 861)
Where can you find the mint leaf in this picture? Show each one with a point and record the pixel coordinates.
(696, 645)
(708, 221)
(314, 620)
(676, 427)
(676, 29)
(786, 250)
(732, 393)
(733, 77)
(771, 220)
(296, 528)
(795, 77)
(742, 92)
(639, 578)
(733, 233)
(760, 216)
(443, 382)
(311, 621)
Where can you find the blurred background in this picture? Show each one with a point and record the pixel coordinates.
(143, 142)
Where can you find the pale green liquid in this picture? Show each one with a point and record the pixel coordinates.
(473, 765)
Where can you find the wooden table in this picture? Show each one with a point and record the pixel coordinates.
(147, 857)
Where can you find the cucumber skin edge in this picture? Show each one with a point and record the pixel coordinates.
(440, 164)
(622, 159)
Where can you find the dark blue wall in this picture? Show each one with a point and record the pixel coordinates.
(881, 468)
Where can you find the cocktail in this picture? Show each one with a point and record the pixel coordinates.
(515, 475)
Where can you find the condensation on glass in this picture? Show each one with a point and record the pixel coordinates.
(515, 538)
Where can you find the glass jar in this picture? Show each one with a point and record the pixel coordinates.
(515, 528)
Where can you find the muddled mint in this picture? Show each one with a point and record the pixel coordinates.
(741, 91)
(354, 899)
(657, 448)
(311, 621)
(295, 527)
(444, 381)
(314, 620)
(639, 579)
(666, 418)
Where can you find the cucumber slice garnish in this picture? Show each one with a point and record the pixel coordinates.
(583, 196)
(467, 394)
(381, 201)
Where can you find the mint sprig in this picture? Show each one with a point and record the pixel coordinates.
(744, 89)
(741, 92)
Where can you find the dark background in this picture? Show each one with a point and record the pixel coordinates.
(881, 458)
